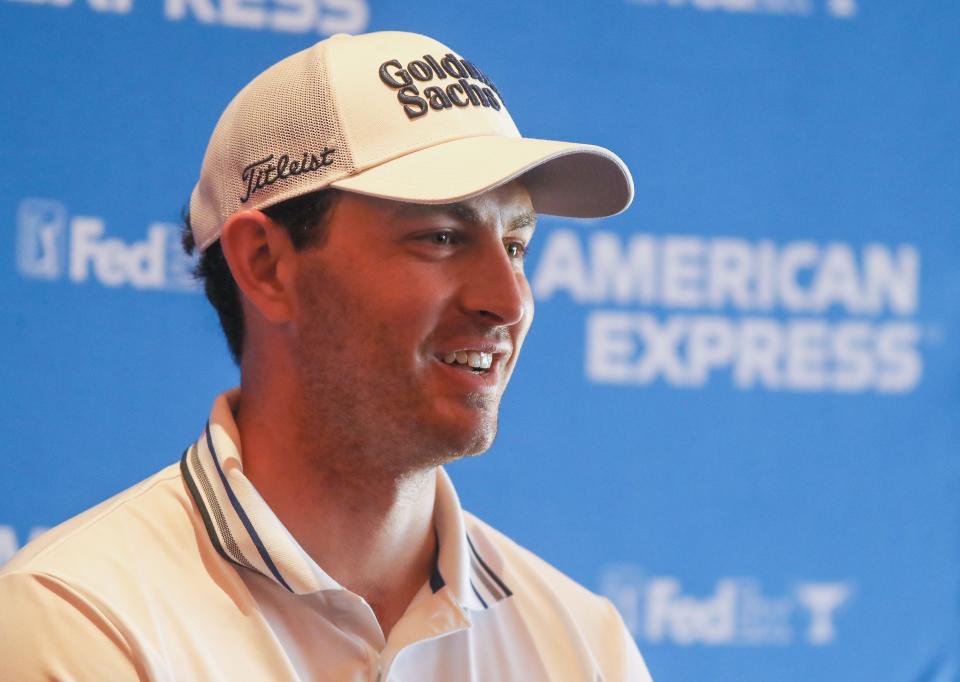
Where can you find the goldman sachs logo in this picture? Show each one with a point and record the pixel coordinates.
(688, 310)
(441, 95)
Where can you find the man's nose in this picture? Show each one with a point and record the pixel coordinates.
(495, 289)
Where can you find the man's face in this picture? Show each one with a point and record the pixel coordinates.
(388, 310)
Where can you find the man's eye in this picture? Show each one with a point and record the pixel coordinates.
(445, 238)
(516, 249)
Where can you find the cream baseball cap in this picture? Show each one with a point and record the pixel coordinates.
(393, 115)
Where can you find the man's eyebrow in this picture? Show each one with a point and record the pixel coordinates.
(525, 219)
(467, 214)
(459, 211)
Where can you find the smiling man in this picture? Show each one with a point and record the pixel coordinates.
(363, 212)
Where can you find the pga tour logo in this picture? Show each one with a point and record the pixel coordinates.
(657, 609)
(52, 244)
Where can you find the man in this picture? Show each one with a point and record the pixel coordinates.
(363, 210)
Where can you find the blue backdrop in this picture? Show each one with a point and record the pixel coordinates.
(736, 414)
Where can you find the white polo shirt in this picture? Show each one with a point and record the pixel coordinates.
(189, 575)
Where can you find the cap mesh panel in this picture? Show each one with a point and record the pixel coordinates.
(286, 110)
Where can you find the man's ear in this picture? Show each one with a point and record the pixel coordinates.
(260, 254)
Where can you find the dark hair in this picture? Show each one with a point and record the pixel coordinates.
(304, 219)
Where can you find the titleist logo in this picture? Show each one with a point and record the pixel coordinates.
(263, 173)
(460, 93)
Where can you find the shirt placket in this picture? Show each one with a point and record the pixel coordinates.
(439, 616)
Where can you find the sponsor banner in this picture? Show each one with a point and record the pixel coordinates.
(53, 245)
(736, 412)
(840, 9)
(324, 17)
(771, 315)
(737, 612)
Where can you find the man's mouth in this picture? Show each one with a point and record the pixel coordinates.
(475, 361)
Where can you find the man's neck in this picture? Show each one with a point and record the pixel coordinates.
(370, 530)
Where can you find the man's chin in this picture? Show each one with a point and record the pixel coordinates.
(469, 439)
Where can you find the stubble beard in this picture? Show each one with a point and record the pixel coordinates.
(362, 425)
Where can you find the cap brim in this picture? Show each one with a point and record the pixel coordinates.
(563, 179)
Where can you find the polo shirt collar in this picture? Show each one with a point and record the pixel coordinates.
(467, 567)
(245, 531)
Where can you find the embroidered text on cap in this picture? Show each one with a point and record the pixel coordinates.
(262, 173)
(460, 93)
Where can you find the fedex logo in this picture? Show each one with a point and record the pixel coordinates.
(737, 612)
(51, 245)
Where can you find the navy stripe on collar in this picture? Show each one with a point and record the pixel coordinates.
(214, 517)
(436, 580)
(208, 505)
(503, 589)
(477, 593)
(258, 543)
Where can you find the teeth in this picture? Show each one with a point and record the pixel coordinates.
(472, 358)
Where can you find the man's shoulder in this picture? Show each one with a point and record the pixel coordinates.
(87, 544)
(95, 594)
